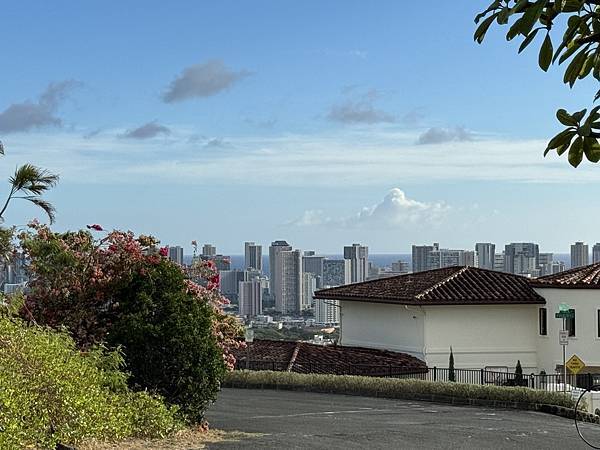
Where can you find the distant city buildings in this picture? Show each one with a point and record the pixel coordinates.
(327, 312)
(288, 297)
(428, 257)
(596, 253)
(176, 254)
(221, 262)
(400, 267)
(209, 250)
(358, 255)
(250, 296)
(522, 258)
(312, 263)
(485, 253)
(309, 286)
(336, 272)
(252, 256)
(579, 255)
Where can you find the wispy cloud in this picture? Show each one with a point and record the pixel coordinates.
(202, 80)
(29, 115)
(436, 135)
(359, 110)
(146, 131)
(395, 210)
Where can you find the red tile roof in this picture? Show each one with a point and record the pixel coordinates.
(586, 277)
(303, 357)
(448, 286)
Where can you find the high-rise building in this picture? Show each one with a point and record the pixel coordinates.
(546, 262)
(596, 252)
(400, 267)
(309, 286)
(275, 265)
(499, 262)
(358, 255)
(557, 267)
(336, 272)
(229, 282)
(312, 263)
(521, 258)
(250, 298)
(209, 250)
(327, 312)
(176, 254)
(420, 255)
(443, 257)
(579, 255)
(253, 256)
(288, 295)
(485, 254)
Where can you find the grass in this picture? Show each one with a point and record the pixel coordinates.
(394, 388)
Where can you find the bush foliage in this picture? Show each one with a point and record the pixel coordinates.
(50, 392)
(393, 388)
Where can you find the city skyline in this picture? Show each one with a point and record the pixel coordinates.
(302, 127)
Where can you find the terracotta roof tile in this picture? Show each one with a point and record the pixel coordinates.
(303, 357)
(586, 277)
(448, 286)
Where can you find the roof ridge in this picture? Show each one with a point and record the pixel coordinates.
(293, 357)
(442, 282)
(568, 272)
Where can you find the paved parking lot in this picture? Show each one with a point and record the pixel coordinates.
(306, 420)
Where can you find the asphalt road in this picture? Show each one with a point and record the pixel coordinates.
(289, 420)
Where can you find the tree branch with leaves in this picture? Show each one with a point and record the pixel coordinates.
(578, 48)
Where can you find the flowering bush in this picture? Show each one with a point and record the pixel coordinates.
(122, 290)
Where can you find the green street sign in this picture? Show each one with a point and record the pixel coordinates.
(563, 307)
(565, 315)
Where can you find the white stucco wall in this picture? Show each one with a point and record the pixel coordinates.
(481, 336)
(382, 326)
(585, 344)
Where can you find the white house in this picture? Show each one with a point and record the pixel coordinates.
(580, 289)
(490, 319)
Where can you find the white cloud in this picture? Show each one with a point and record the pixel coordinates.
(395, 210)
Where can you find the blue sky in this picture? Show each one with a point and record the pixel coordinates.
(323, 123)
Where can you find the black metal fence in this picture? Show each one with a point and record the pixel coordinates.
(554, 382)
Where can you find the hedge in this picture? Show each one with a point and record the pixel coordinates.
(521, 397)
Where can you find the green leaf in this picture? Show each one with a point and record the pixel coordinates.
(528, 40)
(482, 28)
(545, 56)
(565, 118)
(579, 115)
(576, 152)
(531, 16)
(574, 68)
(564, 137)
(591, 149)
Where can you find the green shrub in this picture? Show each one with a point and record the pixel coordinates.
(50, 392)
(393, 387)
(168, 339)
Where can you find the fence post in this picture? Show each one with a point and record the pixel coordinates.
(434, 373)
(481, 375)
(389, 370)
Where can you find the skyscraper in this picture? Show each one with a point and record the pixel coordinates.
(253, 256)
(209, 250)
(358, 255)
(420, 254)
(312, 263)
(288, 296)
(176, 254)
(521, 258)
(485, 253)
(250, 298)
(327, 311)
(596, 252)
(275, 265)
(336, 272)
(579, 255)
(309, 286)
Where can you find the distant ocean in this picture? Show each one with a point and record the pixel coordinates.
(379, 259)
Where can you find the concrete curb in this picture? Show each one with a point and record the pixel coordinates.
(560, 411)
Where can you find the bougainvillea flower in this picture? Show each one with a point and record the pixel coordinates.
(95, 227)
(164, 251)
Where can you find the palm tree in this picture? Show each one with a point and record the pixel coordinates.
(29, 183)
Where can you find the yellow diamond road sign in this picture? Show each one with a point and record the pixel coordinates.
(574, 364)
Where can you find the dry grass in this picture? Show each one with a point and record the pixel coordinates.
(183, 440)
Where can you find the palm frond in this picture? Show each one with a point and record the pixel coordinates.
(45, 205)
(1, 148)
(31, 179)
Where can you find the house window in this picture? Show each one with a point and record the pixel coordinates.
(570, 324)
(543, 321)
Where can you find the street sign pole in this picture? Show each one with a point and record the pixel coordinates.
(564, 359)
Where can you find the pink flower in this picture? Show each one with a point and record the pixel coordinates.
(164, 251)
(95, 227)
